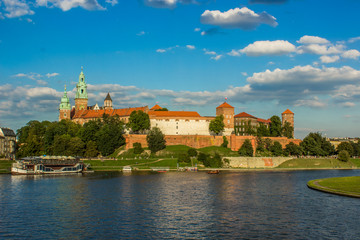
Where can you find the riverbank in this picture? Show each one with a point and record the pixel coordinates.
(345, 186)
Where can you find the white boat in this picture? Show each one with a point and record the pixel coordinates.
(47, 165)
(127, 169)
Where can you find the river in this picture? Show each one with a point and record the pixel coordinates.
(176, 205)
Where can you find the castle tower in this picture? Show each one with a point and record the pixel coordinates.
(65, 108)
(108, 102)
(288, 116)
(227, 111)
(81, 97)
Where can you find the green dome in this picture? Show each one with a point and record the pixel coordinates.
(81, 87)
(65, 102)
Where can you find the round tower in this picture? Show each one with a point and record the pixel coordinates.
(81, 97)
(288, 116)
(65, 108)
(227, 111)
(108, 102)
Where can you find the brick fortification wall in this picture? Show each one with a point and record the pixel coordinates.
(200, 141)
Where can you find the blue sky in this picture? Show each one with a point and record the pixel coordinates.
(263, 55)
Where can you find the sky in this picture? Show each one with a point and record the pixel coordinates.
(264, 56)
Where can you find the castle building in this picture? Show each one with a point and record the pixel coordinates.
(170, 122)
(7, 143)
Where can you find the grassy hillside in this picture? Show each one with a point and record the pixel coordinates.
(348, 186)
(5, 166)
(317, 163)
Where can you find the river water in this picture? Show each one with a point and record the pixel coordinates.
(237, 205)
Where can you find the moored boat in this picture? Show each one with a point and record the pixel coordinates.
(47, 165)
(213, 172)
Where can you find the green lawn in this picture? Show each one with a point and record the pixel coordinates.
(340, 185)
(140, 164)
(316, 163)
(225, 152)
(5, 166)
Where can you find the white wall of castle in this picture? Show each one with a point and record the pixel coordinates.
(185, 126)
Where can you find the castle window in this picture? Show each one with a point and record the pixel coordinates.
(64, 114)
(82, 90)
(177, 127)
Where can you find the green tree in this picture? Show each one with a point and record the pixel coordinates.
(344, 156)
(356, 148)
(192, 152)
(345, 146)
(260, 145)
(287, 130)
(204, 158)
(162, 109)
(246, 149)
(76, 147)
(139, 121)
(276, 149)
(137, 148)
(292, 149)
(110, 135)
(267, 143)
(225, 142)
(217, 125)
(61, 145)
(91, 149)
(316, 145)
(88, 131)
(275, 126)
(216, 161)
(183, 157)
(155, 140)
(262, 131)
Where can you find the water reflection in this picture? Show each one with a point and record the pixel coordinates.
(174, 205)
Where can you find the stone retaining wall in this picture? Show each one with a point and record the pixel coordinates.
(256, 162)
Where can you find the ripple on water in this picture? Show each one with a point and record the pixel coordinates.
(275, 205)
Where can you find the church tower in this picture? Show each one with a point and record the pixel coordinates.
(108, 102)
(65, 108)
(81, 97)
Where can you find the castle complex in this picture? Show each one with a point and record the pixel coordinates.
(172, 123)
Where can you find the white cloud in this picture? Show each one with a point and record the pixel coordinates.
(112, 2)
(16, 8)
(41, 82)
(306, 74)
(352, 54)
(321, 49)
(354, 39)
(348, 104)
(160, 50)
(217, 57)
(243, 18)
(244, 74)
(66, 5)
(312, 40)
(234, 53)
(314, 103)
(260, 48)
(197, 30)
(191, 47)
(209, 52)
(161, 3)
(141, 33)
(329, 59)
(49, 75)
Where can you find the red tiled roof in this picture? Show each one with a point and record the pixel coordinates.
(110, 112)
(244, 114)
(225, 105)
(173, 114)
(156, 107)
(287, 111)
(263, 120)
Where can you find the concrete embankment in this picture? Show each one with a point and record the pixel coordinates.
(256, 162)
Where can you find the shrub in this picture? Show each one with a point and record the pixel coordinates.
(137, 148)
(246, 149)
(225, 142)
(192, 152)
(204, 158)
(276, 149)
(183, 157)
(344, 156)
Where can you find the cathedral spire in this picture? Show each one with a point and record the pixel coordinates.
(65, 102)
(81, 96)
